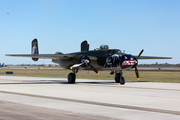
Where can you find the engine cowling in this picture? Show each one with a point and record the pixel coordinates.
(83, 59)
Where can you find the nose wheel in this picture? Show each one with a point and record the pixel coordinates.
(122, 80)
(119, 78)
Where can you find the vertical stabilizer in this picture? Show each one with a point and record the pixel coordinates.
(34, 48)
(84, 46)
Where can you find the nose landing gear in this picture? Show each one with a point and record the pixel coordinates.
(119, 78)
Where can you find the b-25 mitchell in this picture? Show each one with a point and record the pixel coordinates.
(103, 58)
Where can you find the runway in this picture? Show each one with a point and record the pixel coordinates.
(90, 99)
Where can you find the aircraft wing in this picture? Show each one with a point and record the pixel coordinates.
(49, 56)
(153, 57)
(44, 56)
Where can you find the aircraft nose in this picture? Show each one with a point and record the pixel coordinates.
(129, 61)
(135, 60)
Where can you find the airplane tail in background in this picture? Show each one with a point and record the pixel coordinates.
(34, 49)
(2, 65)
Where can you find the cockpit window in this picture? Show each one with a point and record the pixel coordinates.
(112, 52)
(117, 52)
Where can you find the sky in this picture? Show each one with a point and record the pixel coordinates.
(61, 25)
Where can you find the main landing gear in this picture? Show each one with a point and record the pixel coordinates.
(119, 78)
(72, 76)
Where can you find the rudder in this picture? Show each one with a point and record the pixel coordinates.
(84, 46)
(34, 49)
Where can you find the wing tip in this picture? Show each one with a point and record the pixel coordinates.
(7, 55)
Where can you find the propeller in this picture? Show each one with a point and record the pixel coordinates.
(140, 53)
(85, 62)
(136, 71)
(78, 65)
(93, 68)
(135, 66)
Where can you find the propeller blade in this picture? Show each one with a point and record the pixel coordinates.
(136, 71)
(78, 65)
(93, 68)
(140, 53)
(75, 66)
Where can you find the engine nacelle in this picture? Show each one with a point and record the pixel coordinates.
(82, 59)
(66, 64)
(35, 59)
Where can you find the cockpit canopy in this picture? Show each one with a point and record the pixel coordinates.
(104, 47)
(108, 51)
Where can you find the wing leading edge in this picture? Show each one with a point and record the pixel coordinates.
(49, 56)
(153, 57)
(44, 56)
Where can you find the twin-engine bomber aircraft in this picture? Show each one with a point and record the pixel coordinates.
(99, 59)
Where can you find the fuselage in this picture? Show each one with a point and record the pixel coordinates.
(111, 59)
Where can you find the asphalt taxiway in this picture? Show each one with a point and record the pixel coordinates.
(51, 98)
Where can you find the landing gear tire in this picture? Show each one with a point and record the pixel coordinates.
(122, 80)
(71, 78)
(117, 78)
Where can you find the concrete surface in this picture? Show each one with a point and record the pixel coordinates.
(14, 111)
(98, 98)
